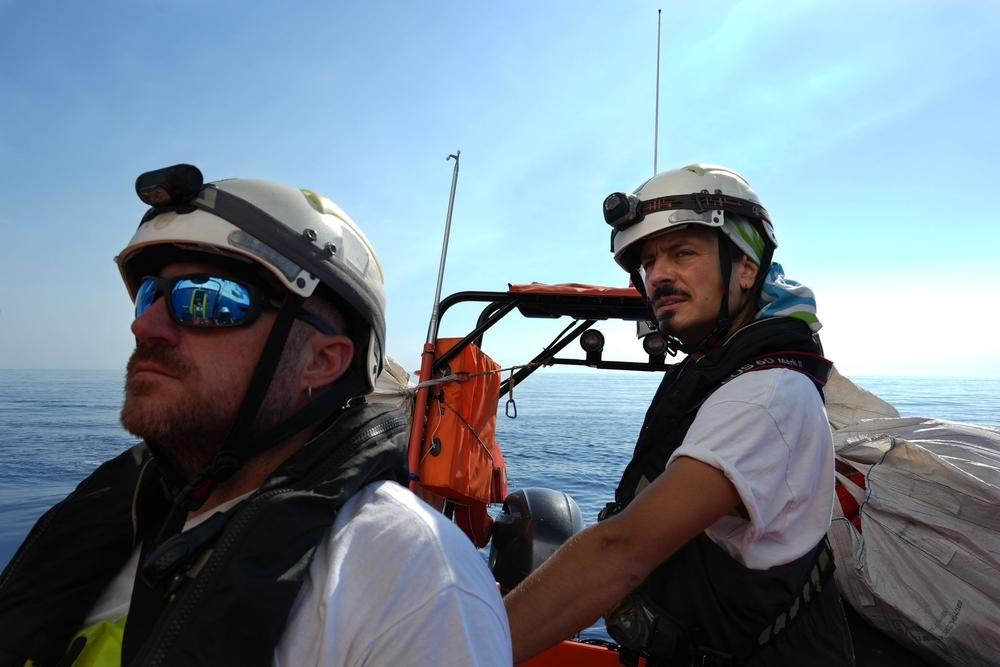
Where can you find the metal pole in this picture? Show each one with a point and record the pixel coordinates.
(656, 116)
(432, 328)
(427, 356)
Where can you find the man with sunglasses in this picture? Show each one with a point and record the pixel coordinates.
(260, 520)
(714, 551)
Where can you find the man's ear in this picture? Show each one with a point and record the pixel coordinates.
(329, 359)
(747, 273)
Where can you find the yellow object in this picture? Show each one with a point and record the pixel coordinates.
(103, 647)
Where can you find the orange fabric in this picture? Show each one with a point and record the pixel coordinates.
(460, 458)
(578, 655)
(574, 289)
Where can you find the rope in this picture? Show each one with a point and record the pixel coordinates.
(465, 377)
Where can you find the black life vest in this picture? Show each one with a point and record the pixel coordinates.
(230, 609)
(714, 609)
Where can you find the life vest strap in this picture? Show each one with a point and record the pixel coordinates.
(814, 366)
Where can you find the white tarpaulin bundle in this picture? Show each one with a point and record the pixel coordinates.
(393, 386)
(925, 567)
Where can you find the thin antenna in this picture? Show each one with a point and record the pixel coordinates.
(427, 356)
(656, 117)
(435, 312)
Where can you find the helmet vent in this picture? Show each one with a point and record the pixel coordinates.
(314, 200)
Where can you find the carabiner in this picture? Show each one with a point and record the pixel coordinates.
(510, 406)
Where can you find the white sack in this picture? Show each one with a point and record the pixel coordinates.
(926, 567)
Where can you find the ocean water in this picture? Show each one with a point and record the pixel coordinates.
(573, 432)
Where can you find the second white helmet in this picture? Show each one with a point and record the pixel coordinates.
(698, 194)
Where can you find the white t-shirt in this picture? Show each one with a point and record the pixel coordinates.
(768, 432)
(392, 583)
(395, 583)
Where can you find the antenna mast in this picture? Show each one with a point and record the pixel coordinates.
(432, 329)
(427, 356)
(656, 116)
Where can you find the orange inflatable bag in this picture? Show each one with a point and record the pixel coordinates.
(460, 458)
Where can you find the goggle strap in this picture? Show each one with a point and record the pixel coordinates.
(315, 321)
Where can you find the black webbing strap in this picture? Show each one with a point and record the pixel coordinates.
(148, 597)
(270, 356)
(703, 201)
(814, 366)
(820, 572)
(237, 447)
(724, 320)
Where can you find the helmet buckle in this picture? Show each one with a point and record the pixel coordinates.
(704, 201)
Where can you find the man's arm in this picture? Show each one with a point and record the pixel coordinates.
(600, 565)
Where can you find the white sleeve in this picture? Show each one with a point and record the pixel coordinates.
(767, 431)
(394, 583)
(452, 628)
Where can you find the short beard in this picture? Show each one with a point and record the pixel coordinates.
(191, 430)
(187, 431)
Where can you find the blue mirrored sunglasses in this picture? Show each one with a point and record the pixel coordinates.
(210, 302)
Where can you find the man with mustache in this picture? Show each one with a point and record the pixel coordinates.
(714, 551)
(263, 519)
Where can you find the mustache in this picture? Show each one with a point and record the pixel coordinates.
(160, 355)
(668, 289)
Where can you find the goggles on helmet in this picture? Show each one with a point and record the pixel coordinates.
(621, 210)
(209, 302)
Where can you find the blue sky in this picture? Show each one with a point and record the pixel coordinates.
(869, 129)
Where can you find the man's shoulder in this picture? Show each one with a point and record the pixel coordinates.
(384, 528)
(387, 497)
(387, 571)
(397, 519)
(768, 387)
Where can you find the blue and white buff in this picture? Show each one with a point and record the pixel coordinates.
(782, 297)
(779, 296)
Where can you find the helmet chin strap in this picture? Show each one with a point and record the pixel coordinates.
(241, 443)
(724, 321)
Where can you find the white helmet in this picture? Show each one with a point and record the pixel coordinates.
(698, 194)
(300, 237)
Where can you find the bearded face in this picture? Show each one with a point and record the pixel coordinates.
(184, 386)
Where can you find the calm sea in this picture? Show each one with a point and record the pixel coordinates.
(573, 431)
